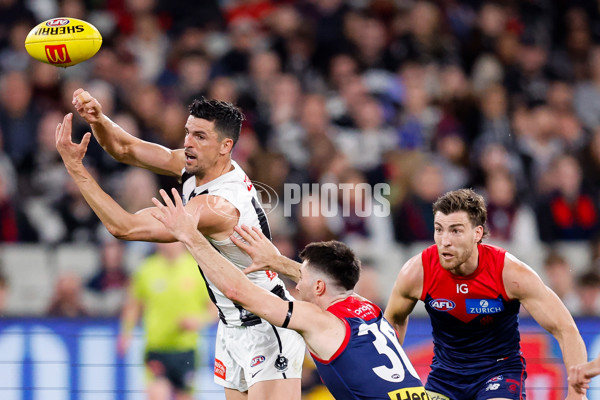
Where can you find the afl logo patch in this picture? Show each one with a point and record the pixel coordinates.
(257, 360)
(57, 22)
(442, 304)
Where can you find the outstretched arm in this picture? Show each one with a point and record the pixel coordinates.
(405, 294)
(121, 145)
(141, 225)
(322, 331)
(264, 254)
(523, 284)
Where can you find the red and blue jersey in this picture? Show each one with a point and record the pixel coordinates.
(475, 323)
(370, 363)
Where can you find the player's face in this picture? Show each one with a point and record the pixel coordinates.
(305, 284)
(202, 146)
(456, 239)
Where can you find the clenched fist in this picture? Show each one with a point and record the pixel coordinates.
(87, 106)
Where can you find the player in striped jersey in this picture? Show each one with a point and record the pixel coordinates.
(356, 350)
(249, 350)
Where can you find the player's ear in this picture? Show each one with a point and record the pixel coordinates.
(320, 287)
(226, 145)
(478, 233)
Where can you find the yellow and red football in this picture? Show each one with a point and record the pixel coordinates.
(63, 42)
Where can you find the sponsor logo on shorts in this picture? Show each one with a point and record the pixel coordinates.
(281, 364)
(484, 306)
(514, 386)
(254, 374)
(492, 386)
(257, 361)
(411, 393)
(436, 396)
(496, 379)
(442, 304)
(220, 369)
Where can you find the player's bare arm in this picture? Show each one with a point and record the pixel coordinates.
(323, 332)
(264, 254)
(405, 294)
(123, 146)
(141, 225)
(523, 284)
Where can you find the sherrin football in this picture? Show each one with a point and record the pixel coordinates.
(63, 42)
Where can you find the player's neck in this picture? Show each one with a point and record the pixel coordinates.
(469, 266)
(331, 300)
(220, 168)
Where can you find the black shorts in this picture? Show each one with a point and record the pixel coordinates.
(178, 367)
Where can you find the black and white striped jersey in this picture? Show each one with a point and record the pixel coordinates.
(235, 188)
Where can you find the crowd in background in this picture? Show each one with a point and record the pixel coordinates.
(426, 96)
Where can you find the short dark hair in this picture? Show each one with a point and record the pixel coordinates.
(464, 200)
(227, 117)
(336, 260)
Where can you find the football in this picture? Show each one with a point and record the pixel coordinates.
(63, 42)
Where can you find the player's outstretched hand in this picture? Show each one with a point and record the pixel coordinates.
(257, 245)
(178, 221)
(71, 153)
(581, 375)
(87, 106)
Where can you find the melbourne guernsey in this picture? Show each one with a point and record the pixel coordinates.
(370, 363)
(475, 323)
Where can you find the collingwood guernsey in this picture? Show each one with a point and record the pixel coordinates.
(237, 189)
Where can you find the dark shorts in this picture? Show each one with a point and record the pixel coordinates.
(178, 367)
(507, 380)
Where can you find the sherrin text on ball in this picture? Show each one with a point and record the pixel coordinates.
(63, 42)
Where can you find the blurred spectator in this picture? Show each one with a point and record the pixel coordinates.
(365, 144)
(9, 231)
(425, 41)
(587, 93)
(418, 119)
(67, 299)
(313, 226)
(589, 157)
(368, 285)
(588, 289)
(18, 119)
(149, 45)
(413, 219)
(540, 145)
(569, 211)
(509, 220)
(136, 189)
(13, 33)
(362, 219)
(79, 221)
(108, 285)
(561, 279)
